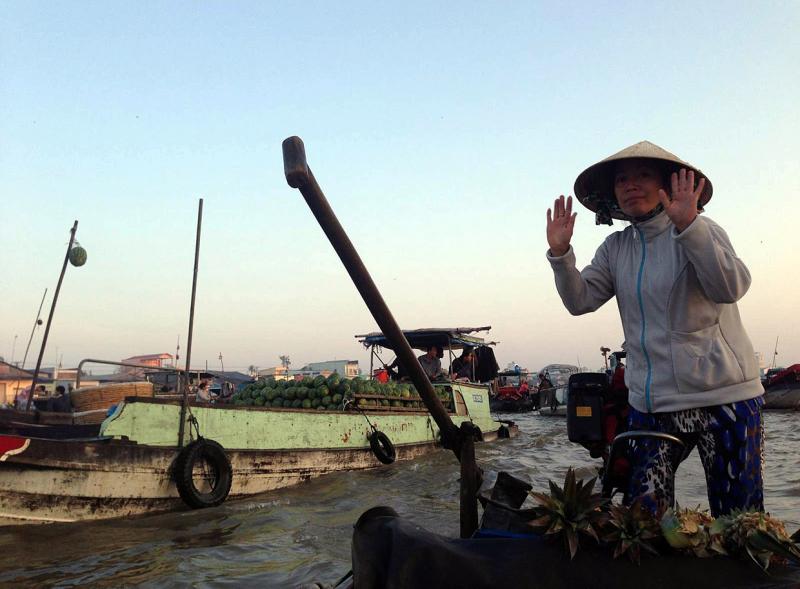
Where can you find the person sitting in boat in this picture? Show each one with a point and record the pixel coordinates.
(396, 370)
(543, 391)
(524, 389)
(431, 362)
(61, 402)
(203, 394)
(21, 400)
(463, 367)
(691, 368)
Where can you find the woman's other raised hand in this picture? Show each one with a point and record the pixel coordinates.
(681, 204)
(560, 223)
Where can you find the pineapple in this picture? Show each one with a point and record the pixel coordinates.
(631, 529)
(686, 530)
(569, 511)
(754, 534)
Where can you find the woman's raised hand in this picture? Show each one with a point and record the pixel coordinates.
(560, 222)
(681, 204)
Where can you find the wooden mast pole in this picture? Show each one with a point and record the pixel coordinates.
(72, 233)
(185, 398)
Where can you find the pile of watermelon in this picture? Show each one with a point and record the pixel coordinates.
(309, 393)
(332, 393)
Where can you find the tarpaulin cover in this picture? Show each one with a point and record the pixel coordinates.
(392, 552)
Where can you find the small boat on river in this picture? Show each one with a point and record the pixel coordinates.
(782, 389)
(513, 394)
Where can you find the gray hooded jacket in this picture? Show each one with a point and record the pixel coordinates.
(676, 293)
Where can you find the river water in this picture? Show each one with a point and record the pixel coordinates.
(302, 534)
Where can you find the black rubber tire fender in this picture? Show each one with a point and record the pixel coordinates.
(503, 432)
(382, 447)
(214, 455)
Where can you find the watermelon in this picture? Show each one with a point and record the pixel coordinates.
(319, 381)
(77, 256)
(297, 403)
(333, 380)
(306, 403)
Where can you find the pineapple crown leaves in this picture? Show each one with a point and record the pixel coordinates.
(687, 530)
(755, 534)
(631, 530)
(570, 510)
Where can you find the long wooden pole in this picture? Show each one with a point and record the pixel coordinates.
(72, 233)
(298, 175)
(36, 322)
(459, 440)
(185, 399)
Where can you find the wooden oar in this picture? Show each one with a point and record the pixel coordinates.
(459, 440)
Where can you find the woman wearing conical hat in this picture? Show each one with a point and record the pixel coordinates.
(691, 367)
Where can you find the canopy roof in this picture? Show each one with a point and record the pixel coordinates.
(453, 337)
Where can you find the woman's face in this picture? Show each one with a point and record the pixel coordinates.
(636, 186)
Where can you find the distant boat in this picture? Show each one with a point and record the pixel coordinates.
(511, 395)
(782, 388)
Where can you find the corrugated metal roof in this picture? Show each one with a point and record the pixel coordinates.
(454, 337)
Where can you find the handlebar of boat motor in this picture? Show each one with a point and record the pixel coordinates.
(298, 175)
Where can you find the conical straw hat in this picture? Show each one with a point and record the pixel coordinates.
(595, 185)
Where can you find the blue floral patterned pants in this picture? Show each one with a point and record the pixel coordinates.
(729, 439)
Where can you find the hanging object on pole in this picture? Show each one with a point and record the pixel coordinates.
(77, 255)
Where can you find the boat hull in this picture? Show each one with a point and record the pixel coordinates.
(785, 396)
(511, 405)
(63, 480)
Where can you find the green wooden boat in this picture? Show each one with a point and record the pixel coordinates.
(136, 464)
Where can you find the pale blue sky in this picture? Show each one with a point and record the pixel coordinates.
(440, 133)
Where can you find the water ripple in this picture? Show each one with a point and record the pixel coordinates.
(303, 534)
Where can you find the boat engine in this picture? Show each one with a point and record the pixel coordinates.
(597, 412)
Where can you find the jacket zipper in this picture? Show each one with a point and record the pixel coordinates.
(648, 379)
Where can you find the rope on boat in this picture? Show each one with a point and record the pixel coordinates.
(379, 442)
(349, 402)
